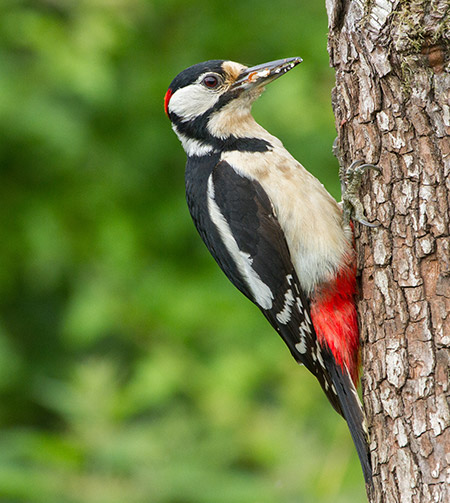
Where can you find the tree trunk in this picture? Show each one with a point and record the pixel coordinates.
(391, 104)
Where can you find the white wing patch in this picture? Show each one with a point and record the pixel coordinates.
(320, 359)
(301, 346)
(304, 329)
(284, 316)
(261, 292)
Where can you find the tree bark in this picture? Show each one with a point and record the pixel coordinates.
(391, 104)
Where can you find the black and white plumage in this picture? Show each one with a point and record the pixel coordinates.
(257, 263)
(271, 226)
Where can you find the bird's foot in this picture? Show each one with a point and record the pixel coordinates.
(351, 181)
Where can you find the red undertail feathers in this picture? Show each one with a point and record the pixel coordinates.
(333, 313)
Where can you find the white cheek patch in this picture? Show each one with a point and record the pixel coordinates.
(192, 101)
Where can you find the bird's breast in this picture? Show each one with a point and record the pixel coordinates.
(310, 218)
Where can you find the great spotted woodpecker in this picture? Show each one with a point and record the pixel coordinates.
(274, 230)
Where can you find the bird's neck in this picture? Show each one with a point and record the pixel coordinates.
(234, 119)
(230, 128)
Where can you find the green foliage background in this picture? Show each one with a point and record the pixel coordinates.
(130, 369)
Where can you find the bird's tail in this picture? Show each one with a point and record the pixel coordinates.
(351, 410)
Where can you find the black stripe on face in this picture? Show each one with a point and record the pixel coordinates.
(197, 127)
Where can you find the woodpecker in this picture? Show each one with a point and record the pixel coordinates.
(271, 226)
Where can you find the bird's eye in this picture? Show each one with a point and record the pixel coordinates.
(210, 81)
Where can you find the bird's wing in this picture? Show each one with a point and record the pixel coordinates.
(261, 267)
(256, 259)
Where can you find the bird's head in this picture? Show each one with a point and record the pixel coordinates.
(210, 102)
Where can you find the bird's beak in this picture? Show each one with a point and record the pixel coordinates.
(260, 75)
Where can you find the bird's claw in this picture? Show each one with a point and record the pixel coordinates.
(351, 181)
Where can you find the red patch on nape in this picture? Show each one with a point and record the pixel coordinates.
(166, 101)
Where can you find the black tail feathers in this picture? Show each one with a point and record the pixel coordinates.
(353, 413)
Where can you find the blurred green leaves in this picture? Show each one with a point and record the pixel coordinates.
(130, 370)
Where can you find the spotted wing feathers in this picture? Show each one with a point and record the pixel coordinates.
(254, 241)
(255, 256)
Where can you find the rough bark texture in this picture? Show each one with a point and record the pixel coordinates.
(391, 103)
